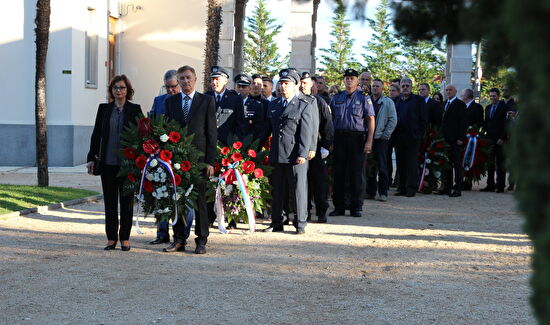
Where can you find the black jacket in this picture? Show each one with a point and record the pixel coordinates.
(496, 125)
(454, 123)
(254, 120)
(412, 121)
(474, 115)
(326, 128)
(100, 134)
(229, 113)
(435, 112)
(201, 122)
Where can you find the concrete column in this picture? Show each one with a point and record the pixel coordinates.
(301, 35)
(459, 65)
(227, 37)
(238, 45)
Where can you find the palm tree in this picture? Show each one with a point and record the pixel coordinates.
(212, 47)
(42, 31)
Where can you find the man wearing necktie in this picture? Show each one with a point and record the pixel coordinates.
(495, 125)
(454, 131)
(291, 126)
(229, 105)
(197, 112)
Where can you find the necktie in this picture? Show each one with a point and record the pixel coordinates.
(186, 108)
(284, 103)
(218, 99)
(447, 105)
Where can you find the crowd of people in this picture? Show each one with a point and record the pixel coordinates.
(306, 122)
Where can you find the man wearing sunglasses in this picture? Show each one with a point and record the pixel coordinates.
(171, 86)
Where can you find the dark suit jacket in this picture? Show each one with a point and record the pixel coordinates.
(496, 125)
(201, 122)
(412, 117)
(229, 114)
(257, 123)
(435, 112)
(454, 123)
(100, 134)
(326, 128)
(292, 129)
(474, 115)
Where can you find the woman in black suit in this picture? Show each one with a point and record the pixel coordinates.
(111, 119)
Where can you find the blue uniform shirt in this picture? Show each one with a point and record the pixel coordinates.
(349, 111)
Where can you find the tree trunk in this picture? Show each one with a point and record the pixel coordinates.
(212, 47)
(238, 47)
(42, 31)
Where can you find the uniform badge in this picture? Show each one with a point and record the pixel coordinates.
(357, 102)
(284, 73)
(215, 69)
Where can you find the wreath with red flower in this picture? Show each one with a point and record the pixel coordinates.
(160, 145)
(481, 157)
(253, 166)
(433, 159)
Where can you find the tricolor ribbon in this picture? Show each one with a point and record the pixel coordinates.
(470, 153)
(168, 167)
(218, 205)
(424, 165)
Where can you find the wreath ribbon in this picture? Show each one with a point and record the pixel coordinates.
(424, 165)
(470, 153)
(218, 205)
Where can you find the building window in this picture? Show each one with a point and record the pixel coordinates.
(91, 50)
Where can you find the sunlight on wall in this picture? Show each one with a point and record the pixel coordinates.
(12, 18)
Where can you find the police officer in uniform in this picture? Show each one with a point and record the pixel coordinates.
(291, 124)
(353, 117)
(255, 113)
(229, 106)
(324, 134)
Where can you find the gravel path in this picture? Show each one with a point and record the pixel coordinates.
(422, 260)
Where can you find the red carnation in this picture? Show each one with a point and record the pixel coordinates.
(226, 161)
(131, 177)
(177, 178)
(141, 161)
(144, 127)
(151, 147)
(266, 160)
(236, 157)
(129, 153)
(148, 186)
(431, 151)
(185, 165)
(439, 145)
(230, 178)
(252, 153)
(258, 173)
(237, 145)
(165, 155)
(174, 136)
(224, 150)
(248, 166)
(217, 167)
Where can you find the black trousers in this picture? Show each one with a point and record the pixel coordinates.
(407, 149)
(201, 220)
(112, 196)
(318, 182)
(349, 157)
(497, 164)
(380, 150)
(289, 181)
(457, 168)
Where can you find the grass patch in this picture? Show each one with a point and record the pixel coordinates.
(20, 197)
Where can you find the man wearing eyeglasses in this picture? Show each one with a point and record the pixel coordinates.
(412, 120)
(172, 88)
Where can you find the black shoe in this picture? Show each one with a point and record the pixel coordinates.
(356, 214)
(455, 194)
(443, 192)
(300, 231)
(272, 228)
(400, 193)
(125, 248)
(159, 241)
(337, 213)
(322, 219)
(110, 247)
(231, 225)
(410, 193)
(499, 190)
(174, 247)
(370, 197)
(200, 249)
(488, 189)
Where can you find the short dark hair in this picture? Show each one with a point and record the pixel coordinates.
(257, 76)
(186, 68)
(425, 84)
(265, 78)
(129, 89)
(495, 90)
(396, 80)
(377, 79)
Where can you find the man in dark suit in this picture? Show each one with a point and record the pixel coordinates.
(474, 111)
(197, 112)
(229, 105)
(412, 119)
(454, 130)
(291, 123)
(495, 125)
(435, 113)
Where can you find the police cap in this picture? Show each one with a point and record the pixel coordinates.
(242, 79)
(351, 73)
(217, 71)
(305, 75)
(289, 75)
